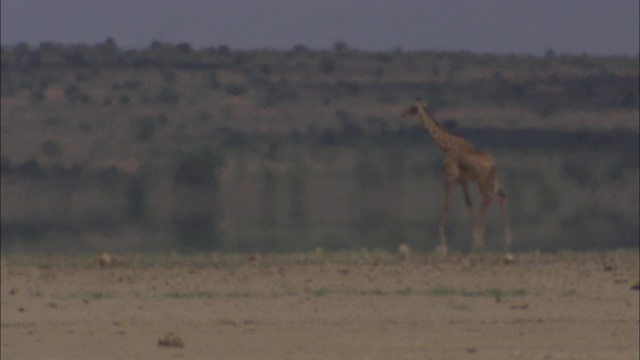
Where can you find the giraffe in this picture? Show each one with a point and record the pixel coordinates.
(463, 164)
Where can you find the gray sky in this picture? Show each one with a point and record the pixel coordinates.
(599, 27)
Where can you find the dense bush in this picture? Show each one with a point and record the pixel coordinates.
(236, 89)
(199, 169)
(168, 95)
(51, 148)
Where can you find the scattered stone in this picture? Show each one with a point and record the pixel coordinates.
(441, 250)
(171, 340)
(404, 252)
(509, 259)
(609, 262)
(471, 350)
(519, 306)
(107, 260)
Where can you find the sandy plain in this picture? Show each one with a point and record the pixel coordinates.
(349, 305)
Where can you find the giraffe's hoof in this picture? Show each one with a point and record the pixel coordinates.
(509, 259)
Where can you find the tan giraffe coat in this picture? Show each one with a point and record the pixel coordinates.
(462, 164)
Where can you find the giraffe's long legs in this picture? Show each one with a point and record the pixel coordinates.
(442, 247)
(504, 212)
(502, 200)
(478, 232)
(477, 236)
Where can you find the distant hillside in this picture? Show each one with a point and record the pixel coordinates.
(88, 95)
(172, 147)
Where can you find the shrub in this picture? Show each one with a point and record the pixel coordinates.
(327, 66)
(277, 93)
(85, 127)
(214, 81)
(197, 232)
(378, 73)
(145, 128)
(124, 99)
(340, 46)
(265, 69)
(77, 59)
(6, 165)
(54, 121)
(31, 169)
(170, 75)
(37, 95)
(578, 173)
(184, 47)
(109, 179)
(236, 89)
(51, 148)
(131, 84)
(72, 93)
(349, 88)
(384, 57)
(136, 197)
(168, 95)
(85, 99)
(201, 169)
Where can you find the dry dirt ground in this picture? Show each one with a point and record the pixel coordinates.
(360, 305)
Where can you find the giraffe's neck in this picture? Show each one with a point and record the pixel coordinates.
(443, 138)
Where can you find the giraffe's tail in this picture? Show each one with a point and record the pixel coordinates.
(496, 187)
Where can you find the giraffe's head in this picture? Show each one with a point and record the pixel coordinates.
(413, 109)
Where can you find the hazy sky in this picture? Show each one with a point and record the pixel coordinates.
(599, 27)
